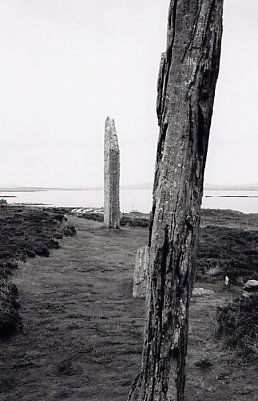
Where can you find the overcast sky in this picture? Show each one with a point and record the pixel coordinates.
(67, 64)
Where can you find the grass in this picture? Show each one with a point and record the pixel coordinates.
(24, 233)
(82, 336)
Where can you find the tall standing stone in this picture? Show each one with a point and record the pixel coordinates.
(186, 88)
(111, 176)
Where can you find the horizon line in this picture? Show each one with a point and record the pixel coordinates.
(147, 185)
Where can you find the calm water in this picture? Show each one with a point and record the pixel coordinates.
(133, 199)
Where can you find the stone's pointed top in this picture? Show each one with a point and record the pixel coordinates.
(110, 133)
(110, 124)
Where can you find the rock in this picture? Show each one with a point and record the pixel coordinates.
(111, 176)
(251, 285)
(200, 292)
(140, 276)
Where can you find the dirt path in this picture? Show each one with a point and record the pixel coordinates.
(81, 325)
(82, 335)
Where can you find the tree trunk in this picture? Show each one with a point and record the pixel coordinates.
(186, 88)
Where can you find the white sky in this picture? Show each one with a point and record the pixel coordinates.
(67, 64)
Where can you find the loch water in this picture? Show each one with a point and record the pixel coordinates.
(130, 199)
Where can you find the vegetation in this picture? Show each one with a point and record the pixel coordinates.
(237, 323)
(93, 306)
(24, 232)
(227, 251)
(222, 250)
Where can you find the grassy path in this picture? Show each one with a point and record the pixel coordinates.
(82, 334)
(81, 325)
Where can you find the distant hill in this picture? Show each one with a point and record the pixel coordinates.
(146, 185)
(22, 189)
(243, 187)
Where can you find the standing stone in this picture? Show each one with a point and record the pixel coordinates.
(186, 88)
(141, 272)
(111, 176)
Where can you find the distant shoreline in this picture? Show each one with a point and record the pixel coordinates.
(131, 198)
(249, 187)
(230, 196)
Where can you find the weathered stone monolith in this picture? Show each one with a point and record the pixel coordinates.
(141, 272)
(111, 176)
(186, 88)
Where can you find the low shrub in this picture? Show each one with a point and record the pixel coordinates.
(10, 319)
(92, 216)
(237, 323)
(24, 232)
(134, 222)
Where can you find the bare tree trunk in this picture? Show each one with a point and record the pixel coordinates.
(186, 88)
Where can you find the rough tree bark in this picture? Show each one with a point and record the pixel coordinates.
(186, 88)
